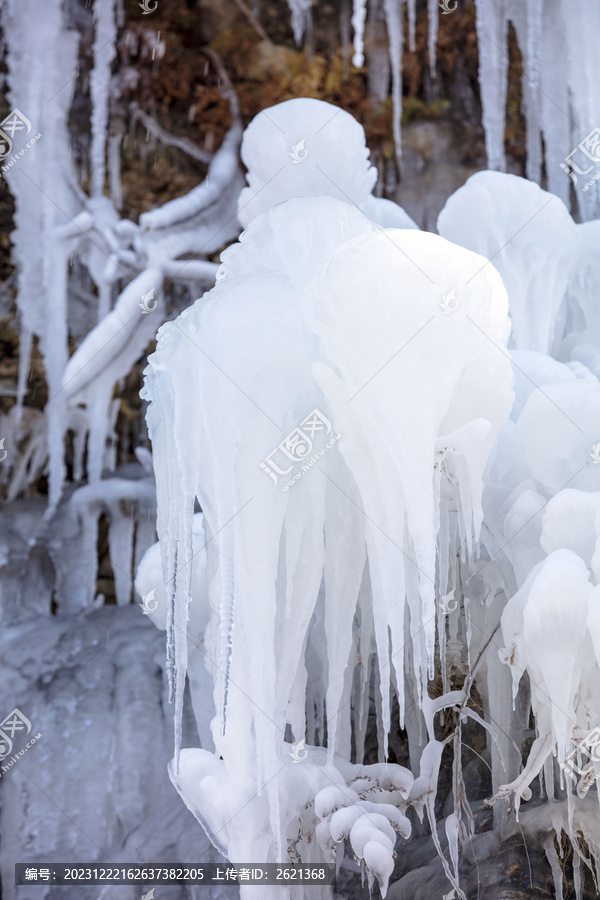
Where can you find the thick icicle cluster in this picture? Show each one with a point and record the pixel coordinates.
(331, 403)
(561, 96)
(561, 99)
(541, 512)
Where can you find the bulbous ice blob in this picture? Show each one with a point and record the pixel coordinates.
(545, 631)
(560, 427)
(529, 236)
(571, 521)
(309, 148)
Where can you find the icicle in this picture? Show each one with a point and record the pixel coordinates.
(412, 21)
(492, 33)
(25, 344)
(532, 89)
(104, 52)
(41, 259)
(114, 170)
(301, 14)
(528, 24)
(581, 23)
(359, 15)
(433, 15)
(394, 21)
(555, 103)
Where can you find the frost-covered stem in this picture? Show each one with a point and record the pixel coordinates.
(472, 673)
(433, 825)
(170, 140)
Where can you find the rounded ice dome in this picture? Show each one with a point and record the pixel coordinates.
(310, 148)
(529, 236)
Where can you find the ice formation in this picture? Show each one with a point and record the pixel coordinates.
(309, 148)
(341, 407)
(529, 236)
(273, 347)
(561, 101)
(311, 573)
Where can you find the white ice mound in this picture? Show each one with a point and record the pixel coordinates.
(549, 627)
(529, 236)
(560, 429)
(309, 148)
(306, 419)
(572, 521)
